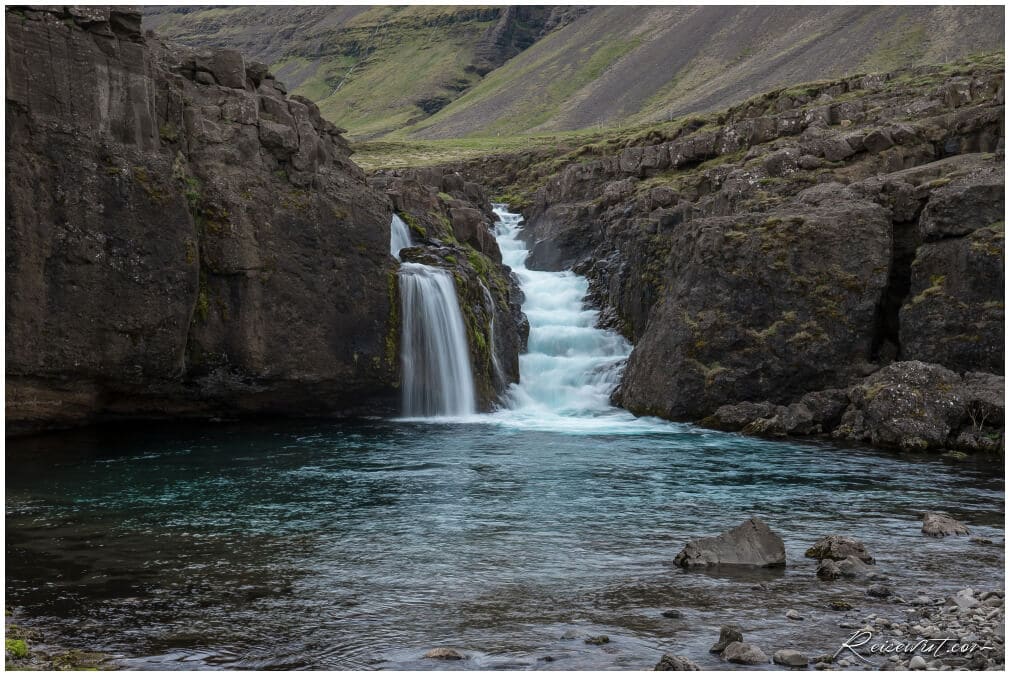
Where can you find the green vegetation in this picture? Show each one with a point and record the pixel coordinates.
(16, 648)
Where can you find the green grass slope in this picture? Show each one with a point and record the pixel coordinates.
(370, 69)
(629, 65)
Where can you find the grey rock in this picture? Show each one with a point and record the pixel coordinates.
(744, 653)
(751, 543)
(939, 524)
(790, 658)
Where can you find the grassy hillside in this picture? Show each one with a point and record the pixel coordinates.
(429, 72)
(545, 152)
(371, 69)
(629, 65)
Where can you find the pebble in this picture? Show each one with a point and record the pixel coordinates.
(793, 615)
(917, 662)
(598, 640)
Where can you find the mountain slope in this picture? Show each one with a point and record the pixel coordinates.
(621, 65)
(448, 72)
(370, 69)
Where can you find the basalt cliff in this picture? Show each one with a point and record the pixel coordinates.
(819, 260)
(184, 239)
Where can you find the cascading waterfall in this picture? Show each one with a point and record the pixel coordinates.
(571, 366)
(437, 378)
(399, 236)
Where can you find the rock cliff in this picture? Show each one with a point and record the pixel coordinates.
(182, 237)
(451, 227)
(794, 244)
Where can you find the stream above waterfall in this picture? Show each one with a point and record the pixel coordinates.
(364, 544)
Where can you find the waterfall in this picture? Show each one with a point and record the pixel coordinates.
(499, 372)
(437, 378)
(571, 366)
(399, 236)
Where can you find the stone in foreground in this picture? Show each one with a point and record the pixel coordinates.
(444, 654)
(676, 663)
(751, 543)
(728, 633)
(744, 653)
(790, 658)
(838, 547)
(850, 567)
(938, 525)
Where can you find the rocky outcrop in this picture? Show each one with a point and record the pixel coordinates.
(780, 253)
(751, 543)
(452, 227)
(905, 405)
(182, 237)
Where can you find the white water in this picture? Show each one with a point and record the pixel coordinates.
(399, 236)
(571, 366)
(437, 378)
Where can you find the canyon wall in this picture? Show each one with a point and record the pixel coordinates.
(798, 243)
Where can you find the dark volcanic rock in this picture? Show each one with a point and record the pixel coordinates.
(954, 314)
(909, 405)
(721, 332)
(174, 249)
(751, 543)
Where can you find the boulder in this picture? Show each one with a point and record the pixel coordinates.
(909, 405)
(744, 653)
(728, 633)
(751, 543)
(735, 417)
(838, 547)
(939, 524)
(850, 567)
(676, 663)
(790, 658)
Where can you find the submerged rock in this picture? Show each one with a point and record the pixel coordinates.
(838, 547)
(444, 654)
(598, 640)
(676, 663)
(744, 653)
(752, 543)
(938, 525)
